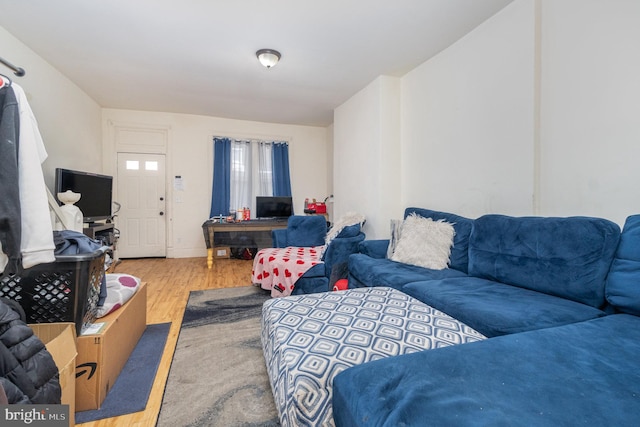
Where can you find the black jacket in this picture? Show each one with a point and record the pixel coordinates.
(28, 373)
(10, 223)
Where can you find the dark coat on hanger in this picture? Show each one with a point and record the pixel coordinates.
(10, 223)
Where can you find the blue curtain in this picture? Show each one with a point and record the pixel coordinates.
(221, 193)
(281, 177)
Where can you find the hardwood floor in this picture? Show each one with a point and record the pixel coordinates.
(169, 282)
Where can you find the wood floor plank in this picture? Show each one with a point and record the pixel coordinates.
(169, 282)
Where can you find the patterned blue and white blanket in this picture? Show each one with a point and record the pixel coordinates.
(308, 339)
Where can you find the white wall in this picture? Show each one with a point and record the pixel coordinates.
(590, 108)
(190, 155)
(69, 121)
(367, 155)
(329, 156)
(535, 112)
(468, 121)
(456, 134)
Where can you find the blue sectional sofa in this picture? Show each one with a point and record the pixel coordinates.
(558, 299)
(521, 273)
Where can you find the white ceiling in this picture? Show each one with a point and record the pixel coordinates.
(198, 56)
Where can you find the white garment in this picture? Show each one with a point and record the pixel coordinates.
(37, 245)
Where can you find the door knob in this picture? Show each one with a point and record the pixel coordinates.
(161, 213)
(161, 198)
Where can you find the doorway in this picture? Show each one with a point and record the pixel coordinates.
(142, 196)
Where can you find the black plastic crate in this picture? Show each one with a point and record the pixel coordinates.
(66, 290)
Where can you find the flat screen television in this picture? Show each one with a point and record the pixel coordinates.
(277, 207)
(96, 192)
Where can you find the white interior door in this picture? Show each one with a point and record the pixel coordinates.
(141, 193)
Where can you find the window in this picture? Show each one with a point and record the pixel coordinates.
(244, 169)
(151, 165)
(132, 165)
(241, 168)
(265, 169)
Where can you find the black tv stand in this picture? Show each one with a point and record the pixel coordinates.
(104, 232)
(100, 231)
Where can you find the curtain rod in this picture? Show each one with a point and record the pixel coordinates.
(260, 140)
(18, 71)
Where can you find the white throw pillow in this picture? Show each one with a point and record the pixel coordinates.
(424, 242)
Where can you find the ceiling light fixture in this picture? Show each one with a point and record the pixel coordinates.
(268, 57)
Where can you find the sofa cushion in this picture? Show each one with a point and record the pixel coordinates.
(580, 374)
(304, 231)
(367, 271)
(349, 231)
(424, 242)
(565, 257)
(623, 284)
(459, 258)
(376, 248)
(497, 309)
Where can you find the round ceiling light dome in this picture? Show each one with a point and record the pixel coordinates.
(268, 57)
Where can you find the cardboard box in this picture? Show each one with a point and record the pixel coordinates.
(102, 355)
(60, 340)
(222, 252)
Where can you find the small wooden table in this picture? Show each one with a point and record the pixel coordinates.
(254, 233)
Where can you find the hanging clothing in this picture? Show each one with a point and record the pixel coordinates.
(10, 229)
(36, 245)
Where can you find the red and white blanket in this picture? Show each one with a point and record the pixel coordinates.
(278, 269)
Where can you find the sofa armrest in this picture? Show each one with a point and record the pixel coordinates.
(374, 248)
(339, 250)
(279, 237)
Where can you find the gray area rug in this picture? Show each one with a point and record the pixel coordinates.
(218, 375)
